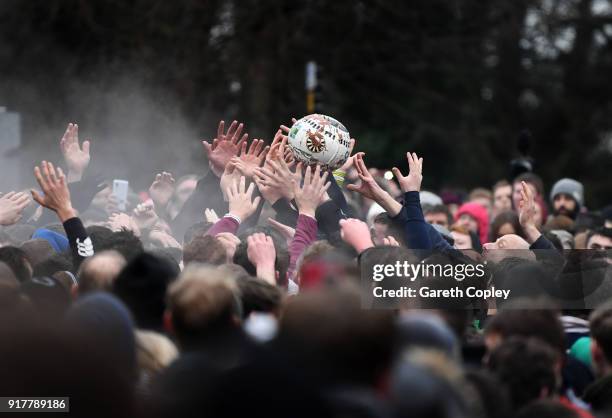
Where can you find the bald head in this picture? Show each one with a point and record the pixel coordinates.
(98, 273)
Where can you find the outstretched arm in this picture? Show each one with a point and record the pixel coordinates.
(56, 197)
(308, 197)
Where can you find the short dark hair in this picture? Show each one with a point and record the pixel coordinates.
(281, 263)
(531, 178)
(57, 262)
(544, 324)
(17, 260)
(526, 366)
(507, 217)
(124, 242)
(258, 296)
(142, 285)
(600, 324)
(206, 249)
(439, 209)
(603, 231)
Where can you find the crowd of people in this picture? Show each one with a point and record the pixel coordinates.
(238, 291)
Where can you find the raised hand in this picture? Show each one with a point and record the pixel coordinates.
(412, 182)
(230, 242)
(239, 198)
(120, 221)
(12, 205)
(310, 194)
(261, 252)
(56, 195)
(210, 215)
(144, 216)
(527, 213)
(368, 187)
(390, 240)
(76, 157)
(162, 189)
(230, 174)
(224, 146)
(356, 233)
(275, 179)
(250, 160)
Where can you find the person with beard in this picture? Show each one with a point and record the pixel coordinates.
(567, 196)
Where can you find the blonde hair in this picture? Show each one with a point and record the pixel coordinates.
(203, 298)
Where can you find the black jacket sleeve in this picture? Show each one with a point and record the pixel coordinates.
(80, 243)
(328, 216)
(285, 214)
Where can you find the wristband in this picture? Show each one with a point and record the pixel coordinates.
(339, 176)
(234, 217)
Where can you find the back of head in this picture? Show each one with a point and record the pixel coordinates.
(259, 296)
(533, 320)
(527, 367)
(99, 272)
(56, 263)
(48, 296)
(202, 302)
(425, 330)
(43, 360)
(142, 285)
(205, 249)
(17, 260)
(37, 250)
(124, 242)
(600, 324)
(101, 320)
(328, 329)
(546, 408)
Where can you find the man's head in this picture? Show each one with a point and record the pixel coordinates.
(201, 303)
(567, 196)
(600, 324)
(142, 286)
(495, 251)
(99, 272)
(538, 322)
(205, 250)
(528, 367)
(502, 197)
(532, 180)
(438, 215)
(600, 239)
(505, 223)
(124, 242)
(17, 260)
(483, 197)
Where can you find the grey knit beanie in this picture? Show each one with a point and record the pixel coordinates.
(571, 187)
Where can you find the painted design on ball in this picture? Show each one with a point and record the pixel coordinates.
(319, 139)
(316, 141)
